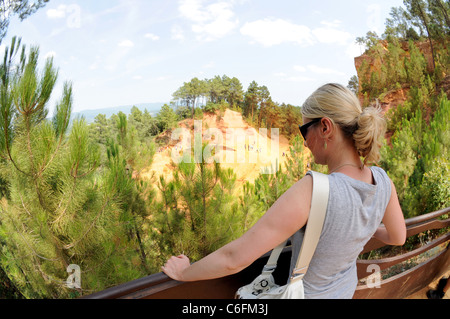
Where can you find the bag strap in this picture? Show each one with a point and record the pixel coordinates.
(271, 265)
(319, 203)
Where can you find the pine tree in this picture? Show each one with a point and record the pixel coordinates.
(415, 66)
(64, 207)
(396, 72)
(296, 164)
(441, 13)
(418, 10)
(233, 91)
(251, 101)
(400, 161)
(167, 119)
(198, 212)
(98, 130)
(135, 155)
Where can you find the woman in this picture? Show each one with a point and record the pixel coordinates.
(339, 134)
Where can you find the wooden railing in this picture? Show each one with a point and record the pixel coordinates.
(399, 286)
(412, 280)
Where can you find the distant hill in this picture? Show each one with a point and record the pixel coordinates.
(90, 115)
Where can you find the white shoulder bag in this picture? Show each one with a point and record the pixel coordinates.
(264, 287)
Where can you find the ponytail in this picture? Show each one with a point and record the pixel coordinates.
(368, 136)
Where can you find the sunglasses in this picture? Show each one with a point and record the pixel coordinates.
(304, 128)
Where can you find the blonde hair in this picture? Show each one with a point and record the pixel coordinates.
(365, 126)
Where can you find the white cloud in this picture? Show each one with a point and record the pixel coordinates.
(270, 32)
(126, 44)
(151, 36)
(330, 33)
(192, 10)
(57, 13)
(210, 22)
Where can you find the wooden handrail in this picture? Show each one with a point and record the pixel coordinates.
(408, 282)
(414, 226)
(427, 217)
(391, 261)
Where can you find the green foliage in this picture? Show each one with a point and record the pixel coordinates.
(167, 119)
(250, 205)
(215, 91)
(420, 21)
(211, 107)
(136, 133)
(419, 99)
(269, 187)
(353, 84)
(415, 66)
(64, 207)
(198, 212)
(419, 18)
(260, 111)
(418, 156)
(396, 72)
(98, 131)
(435, 188)
(296, 163)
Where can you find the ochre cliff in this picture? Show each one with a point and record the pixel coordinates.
(398, 96)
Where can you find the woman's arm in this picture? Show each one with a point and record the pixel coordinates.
(394, 230)
(282, 220)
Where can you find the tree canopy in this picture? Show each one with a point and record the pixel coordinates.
(201, 92)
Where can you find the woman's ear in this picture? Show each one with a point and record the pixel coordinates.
(327, 127)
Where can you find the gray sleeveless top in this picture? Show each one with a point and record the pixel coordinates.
(355, 211)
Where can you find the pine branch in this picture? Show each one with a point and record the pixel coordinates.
(34, 253)
(108, 199)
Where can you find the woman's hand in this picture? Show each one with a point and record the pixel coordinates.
(175, 267)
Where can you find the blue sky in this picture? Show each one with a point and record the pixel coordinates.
(124, 52)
